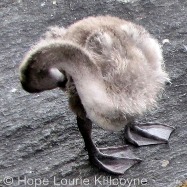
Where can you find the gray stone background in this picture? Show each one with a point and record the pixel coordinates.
(39, 138)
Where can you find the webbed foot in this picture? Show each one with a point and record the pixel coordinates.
(148, 133)
(114, 160)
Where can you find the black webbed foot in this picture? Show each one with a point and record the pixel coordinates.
(114, 160)
(148, 133)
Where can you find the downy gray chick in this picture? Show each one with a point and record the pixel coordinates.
(113, 71)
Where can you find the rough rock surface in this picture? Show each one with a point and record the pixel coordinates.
(40, 144)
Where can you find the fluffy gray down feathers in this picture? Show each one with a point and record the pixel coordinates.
(129, 73)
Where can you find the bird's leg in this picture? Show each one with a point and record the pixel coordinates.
(115, 160)
(141, 134)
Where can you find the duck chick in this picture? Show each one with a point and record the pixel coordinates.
(113, 71)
